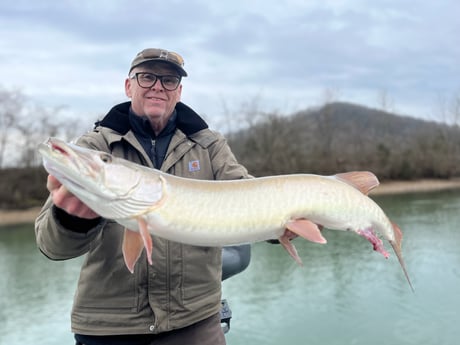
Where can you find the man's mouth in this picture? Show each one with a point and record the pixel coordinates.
(156, 99)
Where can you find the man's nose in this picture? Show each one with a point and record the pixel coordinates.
(157, 85)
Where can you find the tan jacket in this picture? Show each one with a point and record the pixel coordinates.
(183, 285)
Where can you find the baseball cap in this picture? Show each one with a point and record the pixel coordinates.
(157, 54)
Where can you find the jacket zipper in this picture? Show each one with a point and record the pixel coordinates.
(153, 152)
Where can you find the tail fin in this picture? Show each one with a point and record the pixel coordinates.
(396, 244)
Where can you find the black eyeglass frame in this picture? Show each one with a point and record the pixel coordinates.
(155, 79)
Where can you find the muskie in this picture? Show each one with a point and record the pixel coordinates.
(218, 213)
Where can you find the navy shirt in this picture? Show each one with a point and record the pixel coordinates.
(155, 146)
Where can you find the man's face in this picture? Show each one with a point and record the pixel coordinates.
(155, 102)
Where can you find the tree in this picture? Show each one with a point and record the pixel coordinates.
(385, 102)
(24, 125)
(11, 111)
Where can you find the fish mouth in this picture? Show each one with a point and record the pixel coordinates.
(55, 147)
(65, 164)
(80, 161)
(80, 169)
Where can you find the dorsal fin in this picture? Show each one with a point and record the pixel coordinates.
(364, 181)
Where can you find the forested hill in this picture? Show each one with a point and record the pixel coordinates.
(343, 137)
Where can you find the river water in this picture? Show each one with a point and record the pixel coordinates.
(344, 294)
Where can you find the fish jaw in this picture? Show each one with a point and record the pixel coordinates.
(102, 181)
(66, 161)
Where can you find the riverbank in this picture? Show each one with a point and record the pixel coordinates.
(10, 217)
(13, 217)
(418, 186)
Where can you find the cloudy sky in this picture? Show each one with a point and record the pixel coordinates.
(284, 55)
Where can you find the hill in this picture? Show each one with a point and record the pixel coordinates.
(342, 137)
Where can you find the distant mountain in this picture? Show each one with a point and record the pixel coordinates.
(342, 137)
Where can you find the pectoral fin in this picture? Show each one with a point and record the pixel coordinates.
(306, 229)
(286, 243)
(133, 244)
(303, 228)
(132, 248)
(146, 238)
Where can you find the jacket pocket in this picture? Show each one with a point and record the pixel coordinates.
(105, 282)
(202, 272)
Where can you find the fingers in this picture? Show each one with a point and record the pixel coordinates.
(72, 205)
(62, 198)
(65, 200)
(52, 183)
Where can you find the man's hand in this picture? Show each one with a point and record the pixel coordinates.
(65, 200)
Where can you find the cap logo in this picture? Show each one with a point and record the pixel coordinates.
(164, 55)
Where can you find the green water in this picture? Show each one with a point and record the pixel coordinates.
(344, 294)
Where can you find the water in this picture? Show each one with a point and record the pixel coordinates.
(35, 293)
(344, 294)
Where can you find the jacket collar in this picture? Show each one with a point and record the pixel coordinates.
(188, 121)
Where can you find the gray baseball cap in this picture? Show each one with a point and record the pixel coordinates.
(157, 54)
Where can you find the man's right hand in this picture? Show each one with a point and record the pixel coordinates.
(65, 200)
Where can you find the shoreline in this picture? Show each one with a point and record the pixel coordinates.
(416, 186)
(15, 217)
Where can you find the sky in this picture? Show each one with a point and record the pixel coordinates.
(241, 55)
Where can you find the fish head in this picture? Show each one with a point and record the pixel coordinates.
(111, 186)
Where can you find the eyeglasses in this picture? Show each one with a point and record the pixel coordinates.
(147, 80)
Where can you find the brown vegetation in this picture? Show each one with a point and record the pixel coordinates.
(343, 137)
(22, 188)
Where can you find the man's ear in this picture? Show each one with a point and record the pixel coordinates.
(128, 87)
(179, 93)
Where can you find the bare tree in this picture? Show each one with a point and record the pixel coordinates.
(385, 102)
(23, 125)
(33, 130)
(448, 109)
(11, 112)
(246, 115)
(330, 95)
(47, 122)
(454, 109)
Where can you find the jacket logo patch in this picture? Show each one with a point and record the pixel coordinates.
(194, 166)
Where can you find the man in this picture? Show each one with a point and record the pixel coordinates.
(177, 299)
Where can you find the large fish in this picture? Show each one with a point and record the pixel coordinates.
(218, 213)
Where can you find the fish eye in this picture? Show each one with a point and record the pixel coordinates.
(106, 158)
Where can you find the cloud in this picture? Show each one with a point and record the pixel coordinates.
(77, 53)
